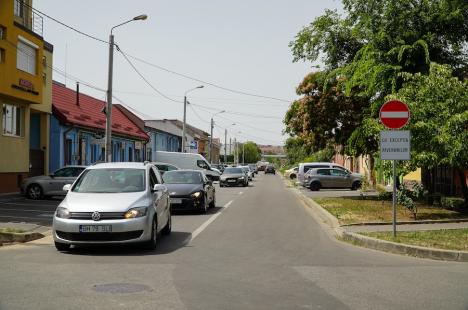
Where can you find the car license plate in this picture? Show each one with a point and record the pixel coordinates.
(231, 181)
(95, 228)
(176, 200)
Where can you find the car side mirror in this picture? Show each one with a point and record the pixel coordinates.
(159, 188)
(66, 187)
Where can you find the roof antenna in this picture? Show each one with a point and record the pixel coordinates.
(78, 93)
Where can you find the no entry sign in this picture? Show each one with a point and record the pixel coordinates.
(394, 114)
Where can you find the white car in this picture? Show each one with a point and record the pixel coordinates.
(291, 173)
(189, 161)
(248, 172)
(113, 203)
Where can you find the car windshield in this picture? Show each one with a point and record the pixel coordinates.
(182, 177)
(232, 170)
(111, 180)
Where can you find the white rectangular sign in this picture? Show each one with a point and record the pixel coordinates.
(395, 145)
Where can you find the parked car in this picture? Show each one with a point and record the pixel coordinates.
(270, 169)
(190, 190)
(113, 203)
(304, 167)
(52, 184)
(253, 168)
(233, 176)
(163, 167)
(247, 172)
(189, 161)
(291, 173)
(318, 178)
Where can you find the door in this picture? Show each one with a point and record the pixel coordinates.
(36, 158)
(340, 178)
(209, 188)
(324, 177)
(160, 199)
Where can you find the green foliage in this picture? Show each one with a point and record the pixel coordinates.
(324, 155)
(453, 203)
(252, 152)
(406, 198)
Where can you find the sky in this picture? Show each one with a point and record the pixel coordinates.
(240, 45)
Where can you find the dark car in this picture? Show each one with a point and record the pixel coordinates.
(233, 176)
(220, 167)
(253, 168)
(163, 167)
(190, 190)
(270, 169)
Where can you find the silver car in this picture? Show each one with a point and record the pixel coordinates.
(50, 185)
(113, 203)
(318, 178)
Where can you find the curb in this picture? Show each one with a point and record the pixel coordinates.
(408, 222)
(19, 237)
(401, 248)
(377, 244)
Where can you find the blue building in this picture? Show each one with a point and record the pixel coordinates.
(77, 130)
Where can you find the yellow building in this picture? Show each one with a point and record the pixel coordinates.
(25, 94)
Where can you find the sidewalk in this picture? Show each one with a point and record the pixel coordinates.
(27, 228)
(405, 227)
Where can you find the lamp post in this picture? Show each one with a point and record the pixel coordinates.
(108, 149)
(225, 143)
(210, 159)
(185, 116)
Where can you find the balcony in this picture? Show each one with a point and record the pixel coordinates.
(26, 17)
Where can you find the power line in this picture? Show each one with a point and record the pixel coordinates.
(63, 24)
(236, 113)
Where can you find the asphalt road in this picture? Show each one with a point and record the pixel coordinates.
(260, 249)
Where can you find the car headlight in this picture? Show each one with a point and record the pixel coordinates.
(62, 213)
(196, 195)
(136, 212)
(241, 178)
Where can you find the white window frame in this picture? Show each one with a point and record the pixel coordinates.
(15, 130)
(26, 56)
(18, 8)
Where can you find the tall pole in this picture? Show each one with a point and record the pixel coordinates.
(230, 148)
(108, 149)
(235, 151)
(225, 146)
(394, 197)
(183, 126)
(211, 143)
(243, 154)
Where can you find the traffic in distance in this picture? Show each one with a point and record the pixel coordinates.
(130, 202)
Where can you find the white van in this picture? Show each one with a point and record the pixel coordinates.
(188, 161)
(304, 167)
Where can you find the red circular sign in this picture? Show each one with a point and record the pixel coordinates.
(394, 114)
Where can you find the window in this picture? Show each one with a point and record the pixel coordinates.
(306, 168)
(338, 173)
(68, 151)
(323, 171)
(203, 164)
(153, 178)
(2, 33)
(12, 120)
(18, 8)
(26, 57)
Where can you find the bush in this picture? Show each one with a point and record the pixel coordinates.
(453, 203)
(383, 194)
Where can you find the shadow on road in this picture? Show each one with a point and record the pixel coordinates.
(166, 245)
(196, 212)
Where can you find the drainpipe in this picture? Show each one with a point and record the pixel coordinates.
(78, 93)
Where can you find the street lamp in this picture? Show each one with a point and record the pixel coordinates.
(225, 142)
(185, 115)
(211, 136)
(108, 149)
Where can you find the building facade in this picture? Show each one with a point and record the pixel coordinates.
(25, 94)
(78, 130)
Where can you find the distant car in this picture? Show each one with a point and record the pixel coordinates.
(253, 168)
(113, 203)
(50, 185)
(190, 190)
(318, 178)
(270, 169)
(247, 171)
(233, 176)
(188, 161)
(291, 173)
(220, 167)
(163, 167)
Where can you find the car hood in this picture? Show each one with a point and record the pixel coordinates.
(104, 202)
(183, 189)
(232, 175)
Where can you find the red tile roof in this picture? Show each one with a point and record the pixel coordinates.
(89, 112)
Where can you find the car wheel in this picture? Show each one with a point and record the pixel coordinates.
(221, 185)
(62, 246)
(292, 176)
(213, 202)
(168, 228)
(151, 244)
(315, 186)
(356, 185)
(34, 191)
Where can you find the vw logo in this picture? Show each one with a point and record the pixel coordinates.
(96, 216)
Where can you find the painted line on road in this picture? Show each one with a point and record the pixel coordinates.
(209, 221)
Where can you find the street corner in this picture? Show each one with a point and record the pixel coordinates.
(20, 233)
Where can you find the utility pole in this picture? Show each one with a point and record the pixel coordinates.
(235, 151)
(108, 149)
(183, 125)
(211, 143)
(230, 148)
(243, 154)
(225, 146)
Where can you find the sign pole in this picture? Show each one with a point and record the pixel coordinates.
(394, 197)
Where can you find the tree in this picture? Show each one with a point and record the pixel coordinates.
(439, 120)
(252, 152)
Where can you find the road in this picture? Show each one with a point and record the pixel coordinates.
(260, 249)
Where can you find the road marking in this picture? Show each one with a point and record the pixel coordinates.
(209, 221)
